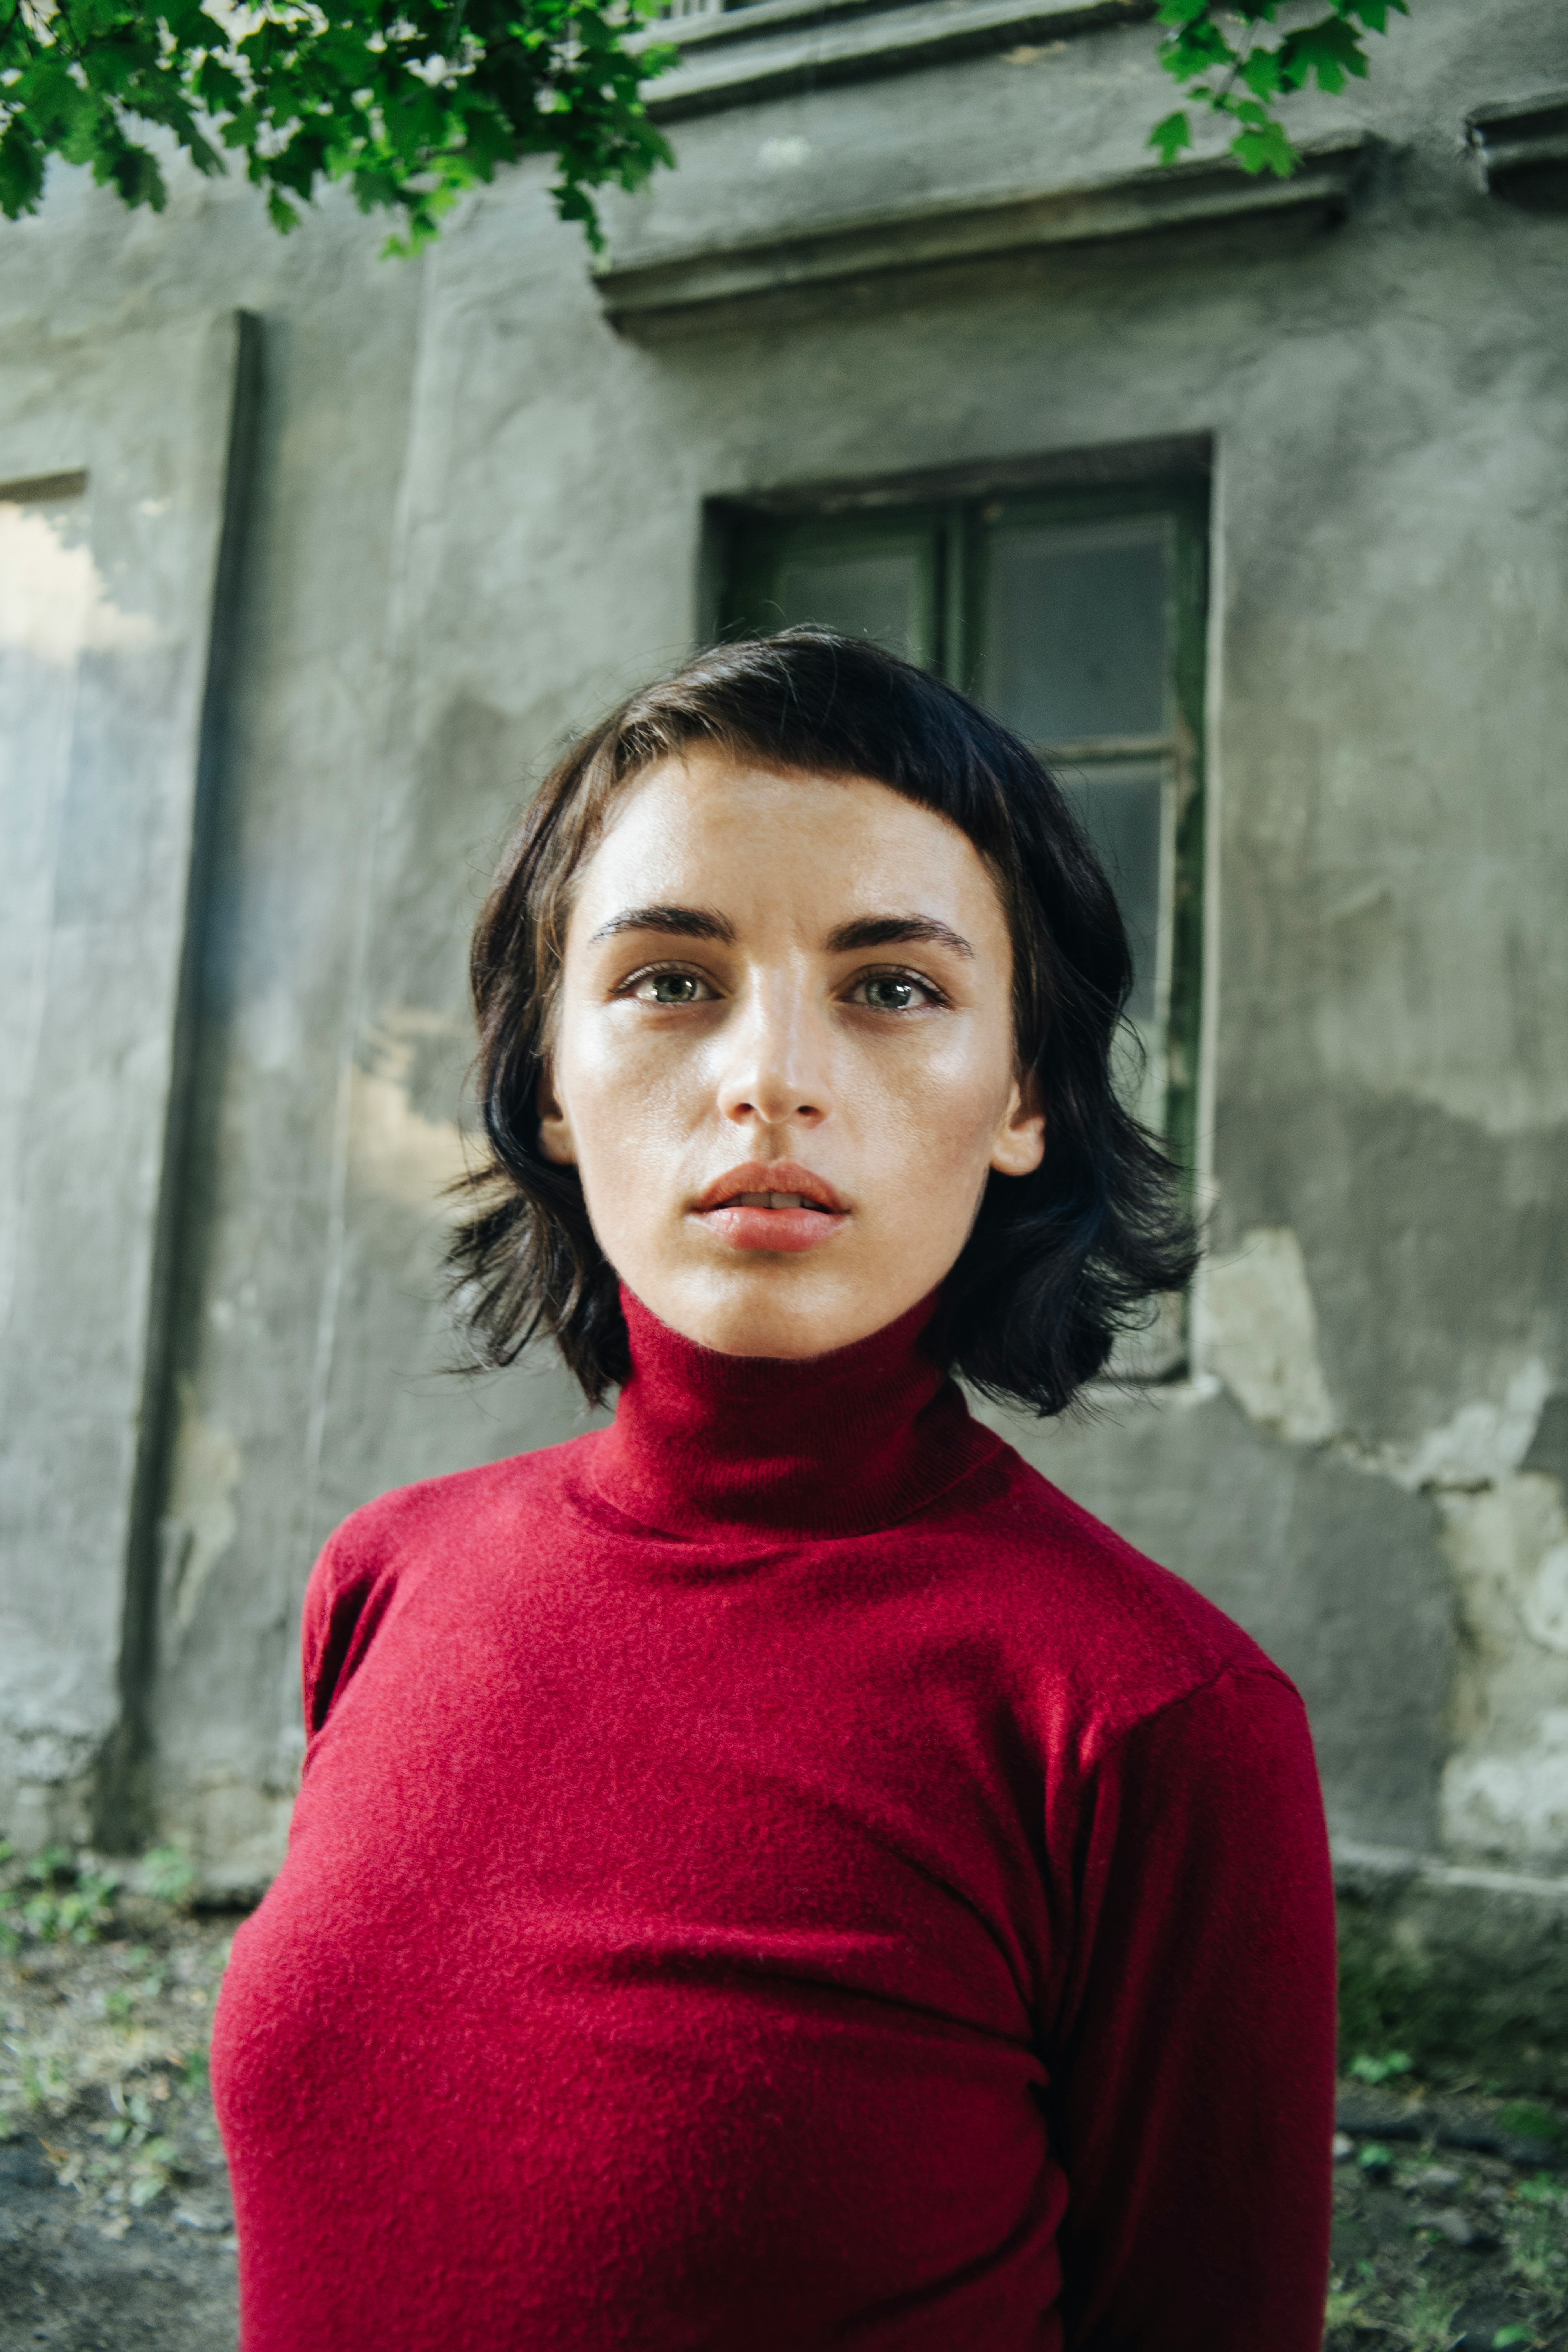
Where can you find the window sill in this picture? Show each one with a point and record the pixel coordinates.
(1521, 146)
(658, 285)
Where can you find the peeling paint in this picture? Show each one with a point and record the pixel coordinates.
(1512, 1803)
(53, 601)
(1260, 1334)
(394, 1150)
(1505, 1787)
(1504, 1790)
(1484, 1440)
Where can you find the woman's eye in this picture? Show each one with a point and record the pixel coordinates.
(670, 988)
(892, 992)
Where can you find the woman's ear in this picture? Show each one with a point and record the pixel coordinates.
(555, 1138)
(1020, 1143)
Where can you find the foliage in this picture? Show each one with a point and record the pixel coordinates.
(1538, 2237)
(1368, 2069)
(411, 104)
(155, 2158)
(1343, 2308)
(104, 2061)
(1243, 78)
(168, 1873)
(57, 1898)
(1528, 2119)
(1428, 2312)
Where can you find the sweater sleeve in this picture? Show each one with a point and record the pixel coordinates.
(345, 1601)
(1193, 2099)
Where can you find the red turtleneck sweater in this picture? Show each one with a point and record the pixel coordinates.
(776, 1873)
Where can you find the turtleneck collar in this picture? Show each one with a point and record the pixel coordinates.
(823, 1445)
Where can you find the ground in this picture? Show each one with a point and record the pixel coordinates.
(1450, 2216)
(117, 2233)
(116, 2228)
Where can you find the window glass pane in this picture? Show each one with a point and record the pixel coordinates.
(1123, 810)
(1076, 630)
(863, 595)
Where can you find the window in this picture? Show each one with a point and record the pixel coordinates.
(1076, 614)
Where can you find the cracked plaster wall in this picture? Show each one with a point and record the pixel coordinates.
(480, 517)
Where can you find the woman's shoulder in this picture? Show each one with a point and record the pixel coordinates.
(375, 1564)
(411, 1525)
(1087, 1613)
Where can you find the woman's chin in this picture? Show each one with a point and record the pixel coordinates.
(773, 1303)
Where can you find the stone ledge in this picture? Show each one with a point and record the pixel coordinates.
(655, 284)
(1521, 145)
(1457, 1965)
(1379, 1869)
(779, 46)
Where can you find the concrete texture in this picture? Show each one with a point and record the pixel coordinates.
(103, 665)
(477, 513)
(671, 286)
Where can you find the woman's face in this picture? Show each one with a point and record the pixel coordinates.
(783, 1060)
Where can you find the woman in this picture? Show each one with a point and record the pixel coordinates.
(774, 1873)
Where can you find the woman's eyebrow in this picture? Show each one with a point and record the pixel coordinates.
(680, 922)
(897, 931)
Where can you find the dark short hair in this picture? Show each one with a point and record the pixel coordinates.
(1058, 1262)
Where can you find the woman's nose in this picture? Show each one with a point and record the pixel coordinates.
(775, 1070)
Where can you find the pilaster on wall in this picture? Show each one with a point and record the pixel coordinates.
(121, 466)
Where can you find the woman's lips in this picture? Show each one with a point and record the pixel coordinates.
(746, 1226)
(776, 1206)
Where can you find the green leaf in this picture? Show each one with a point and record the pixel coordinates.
(1260, 73)
(136, 176)
(1169, 137)
(1194, 51)
(1270, 148)
(1368, 2069)
(1331, 49)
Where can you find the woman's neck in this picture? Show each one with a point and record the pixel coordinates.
(826, 1445)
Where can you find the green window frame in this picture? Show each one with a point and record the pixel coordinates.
(1112, 581)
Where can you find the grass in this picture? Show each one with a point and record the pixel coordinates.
(103, 2056)
(1537, 2239)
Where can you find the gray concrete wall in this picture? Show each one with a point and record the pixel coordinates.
(111, 567)
(477, 513)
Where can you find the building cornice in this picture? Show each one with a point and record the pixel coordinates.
(655, 284)
(776, 48)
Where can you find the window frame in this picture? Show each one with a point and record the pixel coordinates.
(1185, 502)
(747, 541)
